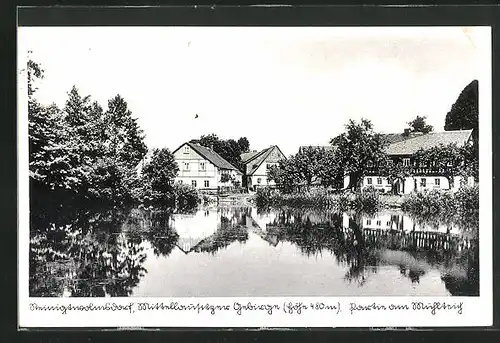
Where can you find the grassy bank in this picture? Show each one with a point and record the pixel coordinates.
(366, 201)
(463, 203)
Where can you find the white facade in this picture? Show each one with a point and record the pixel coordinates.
(415, 183)
(257, 167)
(259, 178)
(199, 172)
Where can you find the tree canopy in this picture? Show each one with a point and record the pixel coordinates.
(464, 113)
(358, 149)
(419, 125)
(80, 149)
(229, 149)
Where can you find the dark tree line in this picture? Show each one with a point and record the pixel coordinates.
(86, 153)
(229, 149)
(82, 149)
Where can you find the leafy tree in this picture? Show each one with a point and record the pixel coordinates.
(244, 144)
(358, 148)
(126, 139)
(395, 171)
(52, 157)
(159, 175)
(465, 111)
(284, 174)
(35, 72)
(330, 172)
(419, 125)
(449, 160)
(80, 150)
(229, 149)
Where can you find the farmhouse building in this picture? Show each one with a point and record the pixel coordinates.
(203, 168)
(425, 177)
(257, 164)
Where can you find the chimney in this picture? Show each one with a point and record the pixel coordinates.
(406, 132)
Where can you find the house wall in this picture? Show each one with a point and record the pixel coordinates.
(195, 173)
(234, 175)
(431, 183)
(384, 222)
(261, 172)
(384, 185)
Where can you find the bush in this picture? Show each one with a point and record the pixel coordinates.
(319, 198)
(467, 201)
(464, 202)
(186, 197)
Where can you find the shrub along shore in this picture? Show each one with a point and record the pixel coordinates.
(464, 202)
(366, 201)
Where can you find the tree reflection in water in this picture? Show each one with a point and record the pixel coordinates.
(363, 250)
(80, 251)
(84, 252)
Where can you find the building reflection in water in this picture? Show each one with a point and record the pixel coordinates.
(85, 253)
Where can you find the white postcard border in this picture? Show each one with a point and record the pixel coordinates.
(476, 311)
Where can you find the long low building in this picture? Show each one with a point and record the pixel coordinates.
(403, 151)
(203, 168)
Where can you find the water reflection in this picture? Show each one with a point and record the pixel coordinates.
(136, 252)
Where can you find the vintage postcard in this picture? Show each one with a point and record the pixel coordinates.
(254, 176)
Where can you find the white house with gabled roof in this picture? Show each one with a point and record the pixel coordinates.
(203, 168)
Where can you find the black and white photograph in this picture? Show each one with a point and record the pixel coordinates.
(190, 162)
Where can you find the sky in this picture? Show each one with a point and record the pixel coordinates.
(276, 86)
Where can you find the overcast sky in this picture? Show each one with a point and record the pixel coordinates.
(283, 86)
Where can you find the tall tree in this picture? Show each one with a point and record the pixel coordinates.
(358, 148)
(52, 159)
(419, 125)
(126, 139)
(229, 149)
(285, 175)
(159, 175)
(244, 144)
(464, 112)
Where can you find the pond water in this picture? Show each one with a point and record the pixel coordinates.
(232, 251)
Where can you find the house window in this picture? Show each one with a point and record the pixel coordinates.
(437, 182)
(186, 149)
(423, 182)
(259, 180)
(379, 181)
(206, 183)
(406, 162)
(186, 165)
(368, 222)
(193, 183)
(388, 223)
(202, 165)
(369, 180)
(379, 222)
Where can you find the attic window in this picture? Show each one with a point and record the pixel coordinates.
(186, 149)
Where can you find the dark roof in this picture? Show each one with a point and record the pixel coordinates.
(412, 145)
(248, 155)
(391, 138)
(253, 162)
(211, 156)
